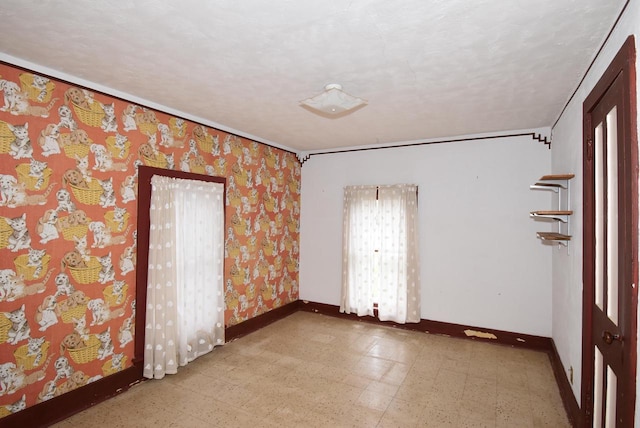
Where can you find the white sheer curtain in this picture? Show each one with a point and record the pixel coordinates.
(380, 252)
(185, 301)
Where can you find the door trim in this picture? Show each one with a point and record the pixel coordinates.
(145, 173)
(624, 62)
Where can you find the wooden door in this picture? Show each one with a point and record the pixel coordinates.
(610, 247)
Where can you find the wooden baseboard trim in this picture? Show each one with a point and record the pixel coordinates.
(61, 407)
(568, 399)
(253, 324)
(443, 328)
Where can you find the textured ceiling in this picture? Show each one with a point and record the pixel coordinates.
(428, 68)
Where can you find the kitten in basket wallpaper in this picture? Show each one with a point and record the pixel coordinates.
(69, 160)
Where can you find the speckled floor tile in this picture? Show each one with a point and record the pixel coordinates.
(316, 371)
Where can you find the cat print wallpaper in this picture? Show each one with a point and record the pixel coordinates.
(68, 213)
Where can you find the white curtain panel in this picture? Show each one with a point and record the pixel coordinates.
(380, 252)
(360, 238)
(185, 300)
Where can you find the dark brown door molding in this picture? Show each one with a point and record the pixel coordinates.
(145, 173)
(616, 342)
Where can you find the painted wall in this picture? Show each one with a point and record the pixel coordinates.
(567, 157)
(68, 187)
(481, 263)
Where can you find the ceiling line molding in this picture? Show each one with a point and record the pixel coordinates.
(127, 97)
(593, 61)
(302, 156)
(536, 136)
(543, 139)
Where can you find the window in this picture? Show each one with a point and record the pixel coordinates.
(380, 252)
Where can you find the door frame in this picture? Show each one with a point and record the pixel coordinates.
(145, 173)
(624, 62)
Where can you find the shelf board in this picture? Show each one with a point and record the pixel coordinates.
(557, 177)
(553, 182)
(545, 184)
(553, 236)
(562, 216)
(550, 182)
(551, 213)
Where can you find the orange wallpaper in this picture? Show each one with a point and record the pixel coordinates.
(68, 188)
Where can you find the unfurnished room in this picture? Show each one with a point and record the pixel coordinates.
(310, 214)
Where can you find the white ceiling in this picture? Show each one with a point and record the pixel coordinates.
(428, 68)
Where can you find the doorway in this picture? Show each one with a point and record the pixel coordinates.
(145, 173)
(610, 246)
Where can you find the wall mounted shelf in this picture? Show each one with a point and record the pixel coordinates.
(560, 184)
(552, 236)
(562, 216)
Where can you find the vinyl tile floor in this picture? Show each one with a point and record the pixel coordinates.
(311, 370)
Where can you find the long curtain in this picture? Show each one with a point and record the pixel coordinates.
(380, 252)
(185, 301)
